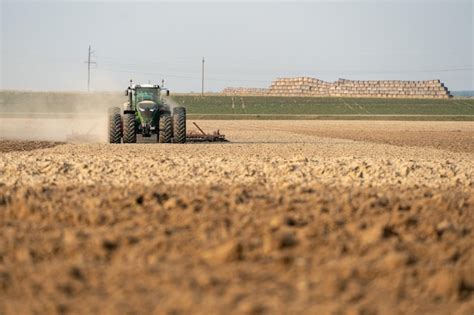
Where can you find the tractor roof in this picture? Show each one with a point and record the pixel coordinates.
(156, 86)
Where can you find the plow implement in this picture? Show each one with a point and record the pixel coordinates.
(202, 136)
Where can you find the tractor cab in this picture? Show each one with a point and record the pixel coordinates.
(145, 92)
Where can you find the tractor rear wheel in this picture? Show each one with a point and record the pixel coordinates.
(165, 132)
(179, 124)
(115, 127)
(129, 133)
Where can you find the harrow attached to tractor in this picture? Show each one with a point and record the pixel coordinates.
(216, 136)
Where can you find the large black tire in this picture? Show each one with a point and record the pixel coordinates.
(179, 124)
(115, 127)
(129, 132)
(165, 133)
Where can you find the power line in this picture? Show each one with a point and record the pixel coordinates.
(278, 72)
(274, 73)
(252, 61)
(147, 63)
(303, 67)
(179, 76)
(210, 78)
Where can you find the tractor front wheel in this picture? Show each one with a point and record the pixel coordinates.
(165, 130)
(129, 133)
(115, 126)
(179, 124)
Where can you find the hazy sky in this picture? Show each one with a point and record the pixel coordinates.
(44, 43)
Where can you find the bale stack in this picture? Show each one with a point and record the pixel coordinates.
(230, 91)
(302, 86)
(390, 89)
(306, 86)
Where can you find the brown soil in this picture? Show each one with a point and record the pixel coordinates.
(276, 222)
(453, 136)
(15, 145)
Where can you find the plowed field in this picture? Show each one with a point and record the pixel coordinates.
(290, 217)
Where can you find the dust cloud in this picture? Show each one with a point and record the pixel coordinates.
(59, 116)
(74, 128)
(54, 116)
(170, 102)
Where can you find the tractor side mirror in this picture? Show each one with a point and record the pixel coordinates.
(167, 92)
(126, 92)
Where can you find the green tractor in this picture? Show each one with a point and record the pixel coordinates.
(147, 114)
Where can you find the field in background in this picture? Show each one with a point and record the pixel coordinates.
(227, 107)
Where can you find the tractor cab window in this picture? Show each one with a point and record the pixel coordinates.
(145, 95)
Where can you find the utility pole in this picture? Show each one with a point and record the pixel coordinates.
(89, 67)
(202, 83)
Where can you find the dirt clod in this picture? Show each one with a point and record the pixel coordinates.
(228, 252)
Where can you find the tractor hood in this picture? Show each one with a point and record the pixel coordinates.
(147, 109)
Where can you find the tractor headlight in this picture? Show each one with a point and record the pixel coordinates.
(141, 109)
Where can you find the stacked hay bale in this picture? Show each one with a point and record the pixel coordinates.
(230, 91)
(306, 86)
(390, 89)
(302, 86)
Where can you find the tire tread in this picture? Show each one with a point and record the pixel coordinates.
(179, 124)
(166, 131)
(115, 128)
(129, 134)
